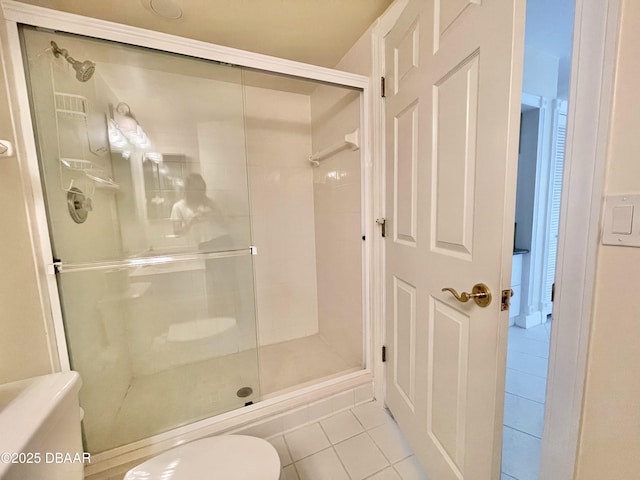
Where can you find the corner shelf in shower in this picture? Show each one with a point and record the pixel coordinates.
(74, 106)
(91, 171)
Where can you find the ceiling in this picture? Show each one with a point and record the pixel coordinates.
(319, 32)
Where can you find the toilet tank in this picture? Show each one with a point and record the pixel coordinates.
(40, 435)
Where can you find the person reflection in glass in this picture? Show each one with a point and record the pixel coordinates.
(198, 217)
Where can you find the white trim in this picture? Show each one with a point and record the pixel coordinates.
(531, 100)
(366, 201)
(593, 69)
(66, 22)
(381, 28)
(533, 263)
(34, 196)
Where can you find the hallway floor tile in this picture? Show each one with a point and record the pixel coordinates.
(525, 391)
(358, 444)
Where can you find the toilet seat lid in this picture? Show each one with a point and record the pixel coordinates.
(228, 457)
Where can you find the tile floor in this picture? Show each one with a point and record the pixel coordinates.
(365, 443)
(527, 361)
(361, 443)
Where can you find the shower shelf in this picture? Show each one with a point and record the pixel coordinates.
(103, 182)
(77, 164)
(74, 106)
(91, 171)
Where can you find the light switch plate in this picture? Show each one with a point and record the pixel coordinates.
(622, 221)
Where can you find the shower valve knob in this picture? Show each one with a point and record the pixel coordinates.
(83, 204)
(87, 204)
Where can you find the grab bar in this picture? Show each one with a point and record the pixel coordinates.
(59, 266)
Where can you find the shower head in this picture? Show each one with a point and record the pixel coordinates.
(84, 70)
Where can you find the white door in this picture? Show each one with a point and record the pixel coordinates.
(452, 106)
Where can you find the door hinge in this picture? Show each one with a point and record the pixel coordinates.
(384, 353)
(383, 89)
(553, 291)
(383, 226)
(505, 301)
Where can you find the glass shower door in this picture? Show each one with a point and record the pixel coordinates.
(143, 164)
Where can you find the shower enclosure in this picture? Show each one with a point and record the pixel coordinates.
(203, 262)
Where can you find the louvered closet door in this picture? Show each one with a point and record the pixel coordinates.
(557, 167)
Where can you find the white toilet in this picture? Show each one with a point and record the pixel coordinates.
(225, 457)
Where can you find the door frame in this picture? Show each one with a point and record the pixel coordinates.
(596, 28)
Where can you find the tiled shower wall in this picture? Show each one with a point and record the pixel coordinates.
(338, 231)
(278, 135)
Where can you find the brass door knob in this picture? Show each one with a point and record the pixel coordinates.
(480, 294)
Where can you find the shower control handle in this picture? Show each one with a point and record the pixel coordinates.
(78, 204)
(480, 294)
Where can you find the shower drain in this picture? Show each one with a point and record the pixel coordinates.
(244, 392)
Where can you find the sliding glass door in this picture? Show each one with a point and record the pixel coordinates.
(143, 164)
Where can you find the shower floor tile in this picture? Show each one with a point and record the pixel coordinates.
(184, 394)
(171, 398)
(296, 362)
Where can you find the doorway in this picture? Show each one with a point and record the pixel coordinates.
(549, 28)
(591, 87)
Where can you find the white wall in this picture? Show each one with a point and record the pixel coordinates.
(610, 434)
(24, 350)
(540, 73)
